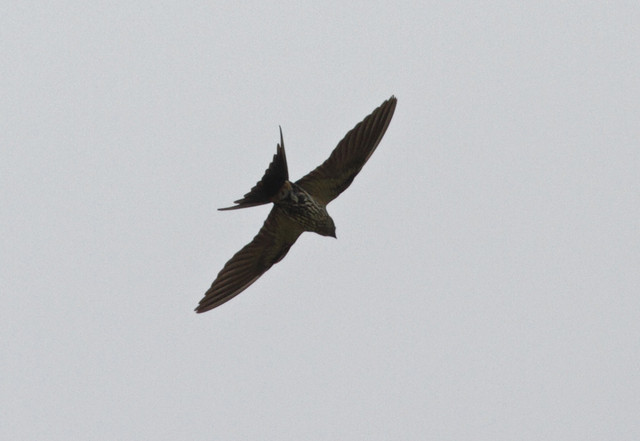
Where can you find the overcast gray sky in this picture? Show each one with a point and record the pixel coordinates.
(484, 284)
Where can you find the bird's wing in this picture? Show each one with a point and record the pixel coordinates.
(269, 246)
(335, 174)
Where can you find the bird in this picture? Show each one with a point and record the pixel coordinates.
(297, 206)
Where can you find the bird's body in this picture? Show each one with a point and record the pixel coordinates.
(308, 213)
(297, 206)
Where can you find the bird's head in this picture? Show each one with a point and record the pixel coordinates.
(327, 228)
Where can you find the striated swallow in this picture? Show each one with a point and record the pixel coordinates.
(297, 206)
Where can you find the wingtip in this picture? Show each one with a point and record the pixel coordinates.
(393, 101)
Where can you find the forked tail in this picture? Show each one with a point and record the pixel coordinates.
(269, 185)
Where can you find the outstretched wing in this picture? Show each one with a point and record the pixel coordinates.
(269, 246)
(335, 174)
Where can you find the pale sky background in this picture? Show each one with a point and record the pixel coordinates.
(485, 280)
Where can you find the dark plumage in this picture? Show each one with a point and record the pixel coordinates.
(298, 207)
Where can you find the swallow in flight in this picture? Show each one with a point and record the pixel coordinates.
(297, 206)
